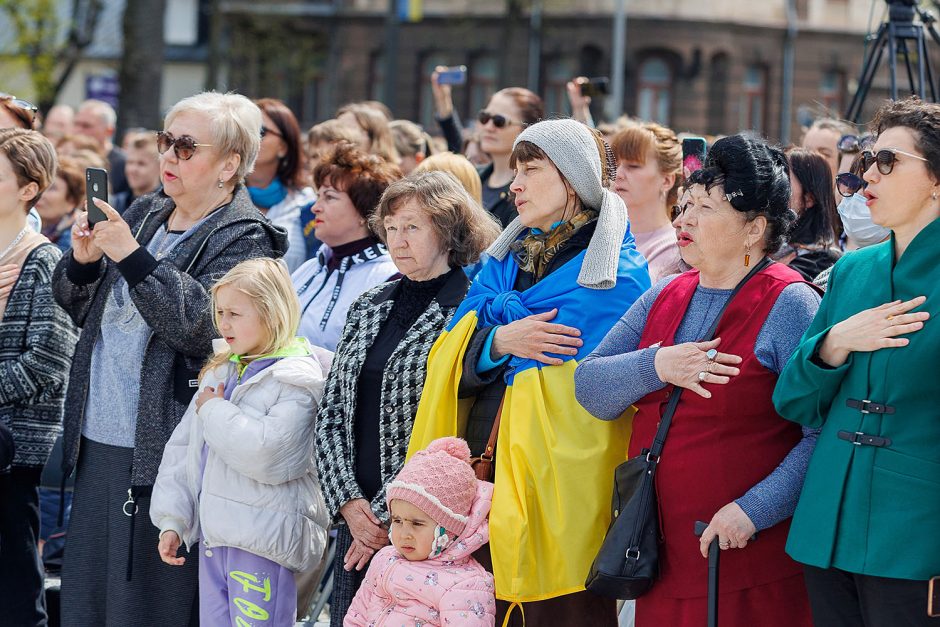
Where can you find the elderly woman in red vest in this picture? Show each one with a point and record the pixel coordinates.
(728, 459)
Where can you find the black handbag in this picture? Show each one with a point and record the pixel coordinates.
(627, 563)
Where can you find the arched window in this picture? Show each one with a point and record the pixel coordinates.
(654, 101)
(831, 89)
(558, 71)
(377, 75)
(718, 94)
(483, 73)
(425, 95)
(753, 99)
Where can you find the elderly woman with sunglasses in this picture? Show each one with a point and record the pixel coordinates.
(728, 457)
(138, 285)
(866, 523)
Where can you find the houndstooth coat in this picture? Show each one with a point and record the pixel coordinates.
(401, 390)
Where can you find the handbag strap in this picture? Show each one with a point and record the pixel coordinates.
(659, 441)
(494, 432)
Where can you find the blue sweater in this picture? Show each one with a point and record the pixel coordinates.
(603, 390)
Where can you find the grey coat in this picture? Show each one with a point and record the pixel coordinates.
(172, 296)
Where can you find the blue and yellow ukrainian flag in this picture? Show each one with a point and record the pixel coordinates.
(554, 460)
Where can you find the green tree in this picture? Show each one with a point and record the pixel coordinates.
(49, 44)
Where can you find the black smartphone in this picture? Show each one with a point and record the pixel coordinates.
(693, 154)
(597, 86)
(454, 75)
(933, 597)
(96, 186)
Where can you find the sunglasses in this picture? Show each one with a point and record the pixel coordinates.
(849, 184)
(184, 146)
(678, 210)
(268, 131)
(886, 158)
(499, 121)
(26, 110)
(854, 143)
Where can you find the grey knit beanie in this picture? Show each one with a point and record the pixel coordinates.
(571, 147)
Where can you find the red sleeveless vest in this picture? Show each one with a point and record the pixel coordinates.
(717, 448)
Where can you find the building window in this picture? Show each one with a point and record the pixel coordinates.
(718, 94)
(558, 72)
(377, 76)
(831, 89)
(483, 73)
(425, 95)
(653, 94)
(753, 98)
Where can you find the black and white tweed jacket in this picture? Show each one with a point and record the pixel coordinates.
(401, 390)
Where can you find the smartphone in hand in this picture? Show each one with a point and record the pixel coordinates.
(96, 186)
(454, 75)
(693, 154)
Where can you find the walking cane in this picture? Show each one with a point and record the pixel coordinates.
(713, 554)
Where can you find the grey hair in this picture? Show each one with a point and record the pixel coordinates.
(234, 125)
(103, 110)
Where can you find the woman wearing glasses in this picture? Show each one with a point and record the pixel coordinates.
(728, 459)
(278, 184)
(137, 286)
(507, 113)
(866, 523)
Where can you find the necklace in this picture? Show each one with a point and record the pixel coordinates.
(16, 240)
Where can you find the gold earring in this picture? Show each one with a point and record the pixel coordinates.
(747, 254)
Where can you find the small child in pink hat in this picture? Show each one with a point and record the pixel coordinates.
(428, 576)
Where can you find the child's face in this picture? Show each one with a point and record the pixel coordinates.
(239, 321)
(412, 531)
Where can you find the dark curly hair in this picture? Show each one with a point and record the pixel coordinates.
(755, 177)
(923, 118)
(361, 175)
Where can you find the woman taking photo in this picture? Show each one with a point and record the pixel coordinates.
(866, 523)
(138, 285)
(728, 457)
(36, 343)
(557, 280)
(810, 247)
(432, 229)
(649, 170)
(351, 259)
(277, 185)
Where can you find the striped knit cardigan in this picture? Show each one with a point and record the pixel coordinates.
(37, 339)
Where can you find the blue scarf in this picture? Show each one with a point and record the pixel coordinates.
(267, 197)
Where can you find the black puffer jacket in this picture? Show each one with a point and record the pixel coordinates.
(172, 296)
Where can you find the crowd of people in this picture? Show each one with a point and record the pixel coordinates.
(425, 352)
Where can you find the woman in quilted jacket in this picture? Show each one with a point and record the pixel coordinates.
(428, 576)
(238, 473)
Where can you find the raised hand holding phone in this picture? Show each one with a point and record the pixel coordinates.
(96, 186)
(113, 236)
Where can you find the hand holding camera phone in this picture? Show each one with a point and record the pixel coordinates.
(454, 75)
(594, 87)
(96, 186)
(693, 154)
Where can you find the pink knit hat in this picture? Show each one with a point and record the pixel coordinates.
(440, 482)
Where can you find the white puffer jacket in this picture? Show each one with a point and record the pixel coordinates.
(259, 491)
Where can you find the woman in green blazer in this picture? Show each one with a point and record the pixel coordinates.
(867, 526)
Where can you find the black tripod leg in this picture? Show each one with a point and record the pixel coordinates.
(869, 68)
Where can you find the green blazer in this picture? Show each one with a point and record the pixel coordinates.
(868, 509)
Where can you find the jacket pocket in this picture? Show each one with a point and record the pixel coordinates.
(185, 378)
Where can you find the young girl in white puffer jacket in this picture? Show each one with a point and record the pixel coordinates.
(238, 474)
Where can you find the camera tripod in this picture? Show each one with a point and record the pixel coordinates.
(904, 38)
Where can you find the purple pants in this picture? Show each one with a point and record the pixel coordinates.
(242, 589)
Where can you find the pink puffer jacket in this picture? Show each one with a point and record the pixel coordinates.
(451, 589)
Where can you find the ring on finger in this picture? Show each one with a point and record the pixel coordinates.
(711, 353)
(702, 375)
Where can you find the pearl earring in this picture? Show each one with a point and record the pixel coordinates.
(221, 184)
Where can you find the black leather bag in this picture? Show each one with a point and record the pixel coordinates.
(627, 563)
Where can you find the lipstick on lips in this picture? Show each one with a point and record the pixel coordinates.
(684, 239)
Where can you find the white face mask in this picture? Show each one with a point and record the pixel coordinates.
(856, 218)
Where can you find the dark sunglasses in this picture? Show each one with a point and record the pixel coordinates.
(268, 131)
(849, 184)
(499, 121)
(854, 143)
(26, 110)
(886, 158)
(677, 210)
(184, 146)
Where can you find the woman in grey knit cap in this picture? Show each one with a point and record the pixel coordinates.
(555, 282)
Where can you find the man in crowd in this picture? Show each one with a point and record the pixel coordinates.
(58, 122)
(97, 119)
(823, 137)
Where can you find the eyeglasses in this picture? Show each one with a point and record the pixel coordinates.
(499, 121)
(885, 158)
(849, 184)
(265, 131)
(850, 144)
(184, 146)
(26, 110)
(678, 210)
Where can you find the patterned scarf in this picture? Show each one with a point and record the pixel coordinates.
(535, 251)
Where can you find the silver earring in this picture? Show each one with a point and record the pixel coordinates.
(934, 195)
(221, 184)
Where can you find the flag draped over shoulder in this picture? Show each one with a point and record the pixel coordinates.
(554, 461)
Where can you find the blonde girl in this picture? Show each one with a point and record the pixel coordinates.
(237, 474)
